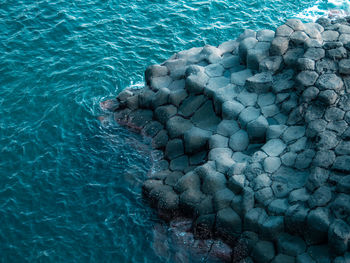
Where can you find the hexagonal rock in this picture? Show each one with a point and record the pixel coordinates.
(279, 46)
(174, 148)
(177, 126)
(284, 31)
(257, 54)
(272, 227)
(239, 141)
(196, 139)
(265, 35)
(342, 164)
(314, 53)
(239, 78)
(329, 81)
(247, 115)
(260, 83)
(263, 252)
(330, 35)
(320, 197)
(290, 245)
(228, 222)
(244, 46)
(339, 236)
(318, 222)
(293, 133)
(257, 129)
(295, 24)
(274, 147)
(344, 66)
(298, 37)
(307, 78)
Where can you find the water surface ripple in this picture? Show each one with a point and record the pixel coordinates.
(69, 185)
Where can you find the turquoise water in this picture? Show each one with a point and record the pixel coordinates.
(69, 184)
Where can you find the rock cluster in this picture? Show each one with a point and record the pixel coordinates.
(254, 139)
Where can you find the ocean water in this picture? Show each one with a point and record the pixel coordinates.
(70, 185)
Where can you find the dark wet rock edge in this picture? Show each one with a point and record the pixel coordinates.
(253, 140)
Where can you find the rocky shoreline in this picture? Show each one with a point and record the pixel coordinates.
(253, 140)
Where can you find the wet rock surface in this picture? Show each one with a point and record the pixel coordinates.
(256, 137)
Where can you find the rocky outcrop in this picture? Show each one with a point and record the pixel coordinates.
(254, 140)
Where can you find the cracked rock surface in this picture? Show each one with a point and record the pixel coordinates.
(253, 139)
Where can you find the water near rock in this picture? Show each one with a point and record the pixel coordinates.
(69, 179)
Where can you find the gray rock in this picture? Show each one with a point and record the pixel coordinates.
(239, 141)
(327, 140)
(272, 227)
(254, 219)
(291, 57)
(307, 78)
(341, 206)
(178, 84)
(318, 176)
(295, 24)
(298, 195)
(275, 131)
(315, 53)
(326, 66)
(177, 96)
(228, 46)
(298, 37)
(295, 218)
(270, 111)
(223, 164)
(214, 84)
(344, 66)
(218, 153)
(177, 126)
(218, 141)
(283, 258)
(265, 35)
(263, 252)
(329, 35)
(336, 53)
(247, 98)
(304, 159)
(266, 99)
(163, 113)
(274, 147)
(289, 158)
(196, 139)
(154, 71)
(213, 182)
(257, 54)
(231, 109)
(160, 82)
(174, 148)
(211, 54)
(247, 33)
(315, 127)
(271, 164)
(260, 83)
(344, 38)
(283, 31)
(320, 197)
(236, 183)
(205, 206)
(332, 45)
(205, 117)
(179, 163)
(278, 207)
(299, 145)
(247, 115)
(329, 81)
(324, 21)
(227, 127)
(337, 126)
(228, 222)
(177, 67)
(271, 64)
(214, 70)
(160, 140)
(343, 184)
(264, 196)
(244, 46)
(222, 199)
(279, 45)
(342, 164)
(305, 64)
(257, 129)
(324, 158)
(320, 253)
(338, 236)
(290, 245)
(344, 102)
(315, 43)
(318, 222)
(152, 128)
(334, 114)
(172, 178)
(191, 104)
(239, 78)
(190, 199)
(261, 181)
(195, 83)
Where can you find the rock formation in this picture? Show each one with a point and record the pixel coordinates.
(254, 139)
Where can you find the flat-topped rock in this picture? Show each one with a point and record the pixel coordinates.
(252, 139)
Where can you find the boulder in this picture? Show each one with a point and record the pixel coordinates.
(196, 139)
(239, 141)
(260, 83)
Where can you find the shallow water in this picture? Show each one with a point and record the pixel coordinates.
(69, 184)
